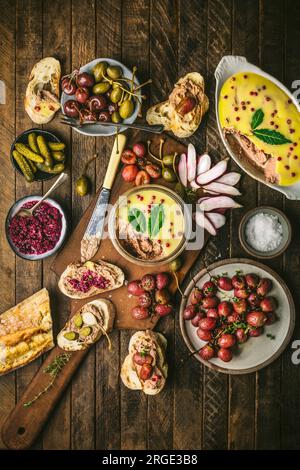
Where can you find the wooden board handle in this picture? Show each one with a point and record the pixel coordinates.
(24, 424)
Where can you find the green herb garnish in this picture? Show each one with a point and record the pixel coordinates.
(53, 369)
(270, 336)
(156, 220)
(269, 136)
(137, 219)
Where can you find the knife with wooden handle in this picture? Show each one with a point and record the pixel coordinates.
(92, 237)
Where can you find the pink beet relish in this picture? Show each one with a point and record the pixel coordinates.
(38, 234)
(88, 280)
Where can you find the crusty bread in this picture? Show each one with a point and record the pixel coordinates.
(42, 93)
(103, 312)
(165, 113)
(129, 372)
(108, 270)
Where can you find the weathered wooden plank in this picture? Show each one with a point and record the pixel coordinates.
(28, 52)
(268, 380)
(83, 147)
(7, 184)
(187, 432)
(163, 63)
(290, 378)
(135, 51)
(216, 384)
(242, 388)
(107, 413)
(57, 432)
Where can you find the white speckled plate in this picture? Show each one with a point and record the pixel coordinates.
(228, 66)
(258, 352)
(99, 130)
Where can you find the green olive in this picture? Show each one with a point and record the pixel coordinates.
(114, 72)
(115, 117)
(126, 109)
(115, 95)
(168, 160)
(168, 175)
(116, 85)
(99, 70)
(101, 88)
(175, 265)
(82, 185)
(179, 188)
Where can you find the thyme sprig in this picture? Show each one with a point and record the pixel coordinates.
(53, 369)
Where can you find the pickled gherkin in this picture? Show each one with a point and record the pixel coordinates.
(55, 146)
(24, 166)
(33, 143)
(28, 153)
(56, 169)
(32, 166)
(58, 155)
(44, 150)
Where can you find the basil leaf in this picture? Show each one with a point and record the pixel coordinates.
(137, 219)
(271, 137)
(257, 118)
(156, 220)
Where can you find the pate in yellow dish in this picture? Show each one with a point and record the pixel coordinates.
(150, 223)
(262, 124)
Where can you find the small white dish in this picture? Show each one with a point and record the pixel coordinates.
(258, 352)
(228, 66)
(13, 211)
(98, 130)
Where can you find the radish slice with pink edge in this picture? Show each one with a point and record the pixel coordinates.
(205, 223)
(191, 162)
(182, 169)
(194, 185)
(215, 172)
(231, 178)
(218, 220)
(221, 188)
(218, 202)
(204, 163)
(203, 199)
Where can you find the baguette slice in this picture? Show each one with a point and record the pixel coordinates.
(96, 317)
(42, 93)
(156, 344)
(112, 275)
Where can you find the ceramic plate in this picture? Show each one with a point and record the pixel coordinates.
(258, 352)
(228, 66)
(98, 130)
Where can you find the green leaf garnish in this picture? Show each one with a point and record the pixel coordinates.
(271, 137)
(156, 220)
(137, 219)
(257, 118)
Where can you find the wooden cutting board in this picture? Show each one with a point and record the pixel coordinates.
(107, 252)
(24, 424)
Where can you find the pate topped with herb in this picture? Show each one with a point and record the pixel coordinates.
(150, 224)
(265, 123)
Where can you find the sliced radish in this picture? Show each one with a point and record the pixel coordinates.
(222, 188)
(218, 220)
(231, 178)
(220, 211)
(182, 169)
(203, 198)
(204, 164)
(194, 185)
(203, 222)
(215, 172)
(191, 162)
(218, 202)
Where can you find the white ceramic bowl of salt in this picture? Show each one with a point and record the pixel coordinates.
(265, 232)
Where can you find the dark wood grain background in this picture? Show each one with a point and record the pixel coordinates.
(199, 408)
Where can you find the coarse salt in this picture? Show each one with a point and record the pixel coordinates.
(264, 232)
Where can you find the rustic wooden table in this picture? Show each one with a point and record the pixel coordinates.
(199, 408)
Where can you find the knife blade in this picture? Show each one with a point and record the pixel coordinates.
(92, 237)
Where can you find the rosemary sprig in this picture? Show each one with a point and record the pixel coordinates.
(53, 369)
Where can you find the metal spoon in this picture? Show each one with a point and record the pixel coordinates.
(29, 212)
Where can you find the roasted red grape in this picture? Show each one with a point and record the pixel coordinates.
(210, 302)
(197, 296)
(205, 335)
(224, 308)
(252, 280)
(135, 288)
(190, 312)
(226, 340)
(238, 281)
(268, 304)
(209, 289)
(225, 354)
(225, 283)
(207, 352)
(140, 313)
(207, 323)
(256, 319)
(264, 287)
